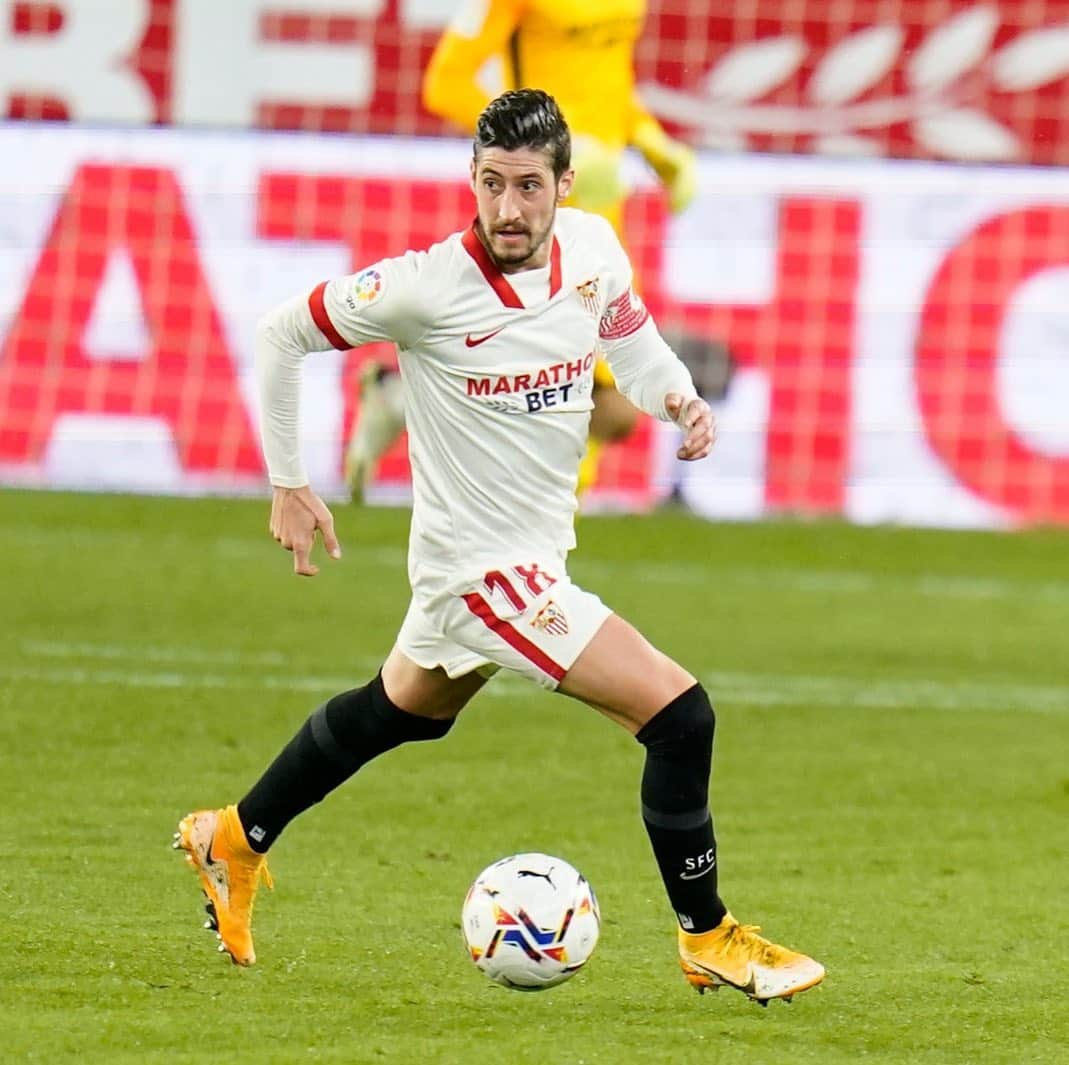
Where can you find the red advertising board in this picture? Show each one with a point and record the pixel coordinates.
(896, 324)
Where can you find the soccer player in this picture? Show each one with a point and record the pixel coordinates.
(496, 328)
(582, 54)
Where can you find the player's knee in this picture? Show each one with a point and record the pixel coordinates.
(366, 718)
(686, 725)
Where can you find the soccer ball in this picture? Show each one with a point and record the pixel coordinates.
(530, 921)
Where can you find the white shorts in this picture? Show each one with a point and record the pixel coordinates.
(528, 618)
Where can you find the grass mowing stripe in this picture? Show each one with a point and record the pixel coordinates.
(817, 581)
(748, 689)
(835, 582)
(858, 693)
(222, 546)
(123, 678)
(127, 678)
(147, 652)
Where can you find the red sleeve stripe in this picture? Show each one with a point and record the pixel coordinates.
(481, 609)
(319, 315)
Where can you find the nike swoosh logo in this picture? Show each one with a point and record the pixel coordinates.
(749, 988)
(216, 870)
(474, 342)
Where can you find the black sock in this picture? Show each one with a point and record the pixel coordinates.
(341, 736)
(675, 806)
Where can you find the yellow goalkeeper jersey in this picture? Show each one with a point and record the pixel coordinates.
(582, 53)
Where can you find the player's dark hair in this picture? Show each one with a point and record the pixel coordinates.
(526, 118)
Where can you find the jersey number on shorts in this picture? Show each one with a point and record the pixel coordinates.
(535, 580)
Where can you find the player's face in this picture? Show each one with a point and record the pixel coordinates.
(517, 197)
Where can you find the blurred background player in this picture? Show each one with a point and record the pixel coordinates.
(582, 53)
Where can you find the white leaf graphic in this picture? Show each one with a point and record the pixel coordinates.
(753, 69)
(966, 134)
(848, 145)
(855, 64)
(1031, 60)
(952, 49)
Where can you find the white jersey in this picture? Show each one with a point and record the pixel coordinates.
(498, 374)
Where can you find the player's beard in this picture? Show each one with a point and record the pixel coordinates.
(508, 255)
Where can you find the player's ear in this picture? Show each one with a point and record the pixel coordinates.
(564, 185)
(471, 173)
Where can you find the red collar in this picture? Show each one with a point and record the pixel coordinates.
(498, 281)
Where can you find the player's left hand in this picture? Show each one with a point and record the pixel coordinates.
(697, 422)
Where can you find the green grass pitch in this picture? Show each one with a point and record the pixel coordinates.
(891, 792)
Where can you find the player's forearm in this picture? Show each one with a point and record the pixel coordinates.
(457, 101)
(647, 370)
(450, 88)
(672, 160)
(283, 337)
(643, 128)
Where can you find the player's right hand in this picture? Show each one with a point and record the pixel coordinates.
(696, 420)
(296, 514)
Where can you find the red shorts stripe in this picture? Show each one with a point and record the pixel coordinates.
(515, 639)
(322, 319)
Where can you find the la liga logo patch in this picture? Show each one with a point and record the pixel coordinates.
(368, 286)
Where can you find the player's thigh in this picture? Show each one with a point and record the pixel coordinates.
(426, 692)
(427, 673)
(623, 675)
